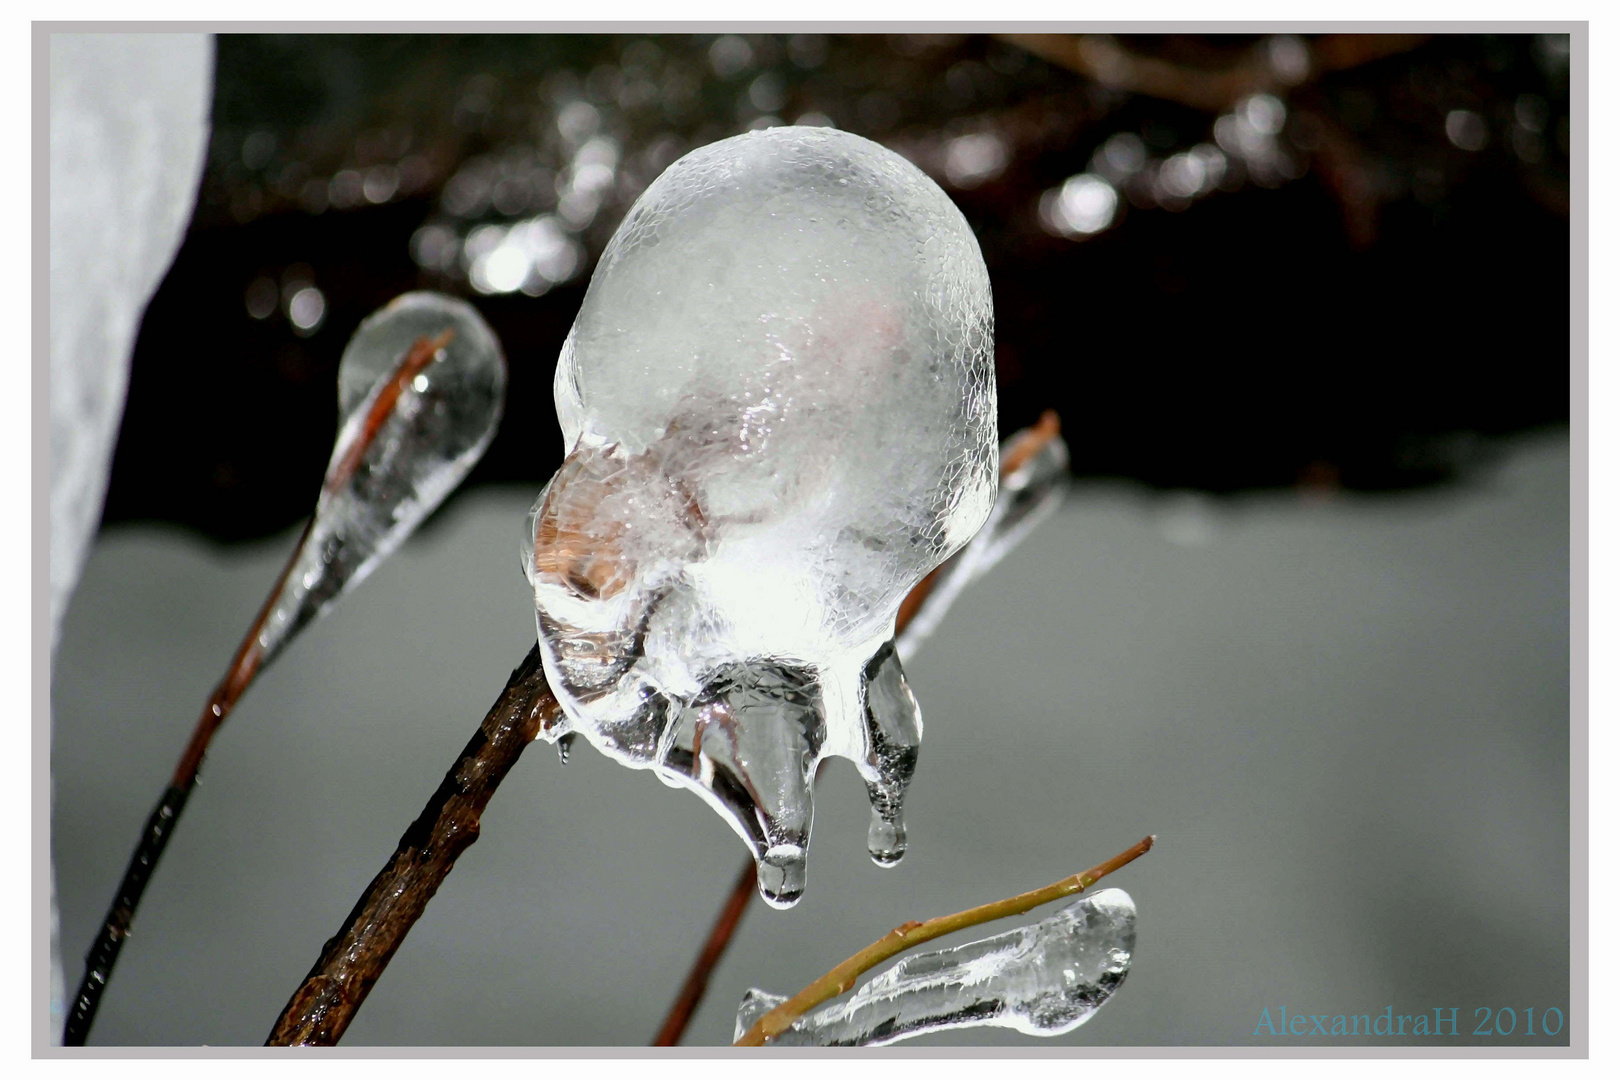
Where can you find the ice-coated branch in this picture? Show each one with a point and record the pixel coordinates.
(1044, 979)
(354, 958)
(908, 935)
(420, 389)
(1034, 468)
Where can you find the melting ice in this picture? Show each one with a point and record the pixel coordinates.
(779, 414)
(420, 391)
(1044, 979)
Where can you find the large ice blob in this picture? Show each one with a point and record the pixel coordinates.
(779, 413)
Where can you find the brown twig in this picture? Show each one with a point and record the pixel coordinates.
(354, 959)
(906, 935)
(1022, 446)
(245, 666)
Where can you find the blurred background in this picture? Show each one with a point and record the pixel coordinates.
(1303, 305)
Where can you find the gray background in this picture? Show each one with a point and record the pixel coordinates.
(1347, 720)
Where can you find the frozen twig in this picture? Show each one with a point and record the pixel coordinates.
(269, 631)
(906, 935)
(354, 958)
(244, 668)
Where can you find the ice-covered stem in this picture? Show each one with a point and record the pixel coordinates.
(841, 978)
(354, 959)
(1016, 453)
(244, 668)
(416, 361)
(258, 644)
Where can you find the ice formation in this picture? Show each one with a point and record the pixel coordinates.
(1044, 979)
(779, 413)
(420, 391)
(1032, 486)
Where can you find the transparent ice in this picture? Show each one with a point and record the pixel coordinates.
(420, 391)
(1028, 493)
(1044, 979)
(779, 414)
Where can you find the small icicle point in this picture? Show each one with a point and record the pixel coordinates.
(565, 745)
(893, 734)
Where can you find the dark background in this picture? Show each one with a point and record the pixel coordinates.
(1368, 310)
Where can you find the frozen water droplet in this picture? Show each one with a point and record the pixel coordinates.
(749, 743)
(781, 875)
(886, 839)
(1044, 979)
(778, 408)
(401, 448)
(565, 745)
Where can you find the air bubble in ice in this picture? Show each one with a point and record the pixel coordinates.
(779, 414)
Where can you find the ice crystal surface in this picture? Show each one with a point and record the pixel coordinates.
(1043, 979)
(420, 391)
(1029, 492)
(779, 414)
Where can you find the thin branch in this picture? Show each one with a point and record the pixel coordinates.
(354, 959)
(245, 666)
(906, 935)
(159, 828)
